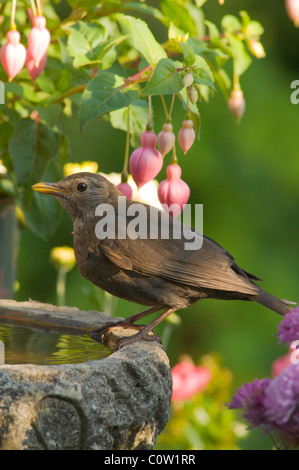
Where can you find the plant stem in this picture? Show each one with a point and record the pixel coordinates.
(149, 111)
(60, 286)
(164, 106)
(13, 14)
(171, 106)
(39, 7)
(125, 168)
(33, 7)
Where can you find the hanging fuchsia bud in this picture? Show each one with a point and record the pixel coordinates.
(13, 54)
(34, 71)
(38, 40)
(186, 135)
(126, 189)
(236, 104)
(166, 139)
(173, 192)
(146, 161)
(292, 7)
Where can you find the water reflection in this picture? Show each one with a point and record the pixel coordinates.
(23, 346)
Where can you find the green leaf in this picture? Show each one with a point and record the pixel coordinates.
(242, 60)
(32, 147)
(213, 31)
(145, 42)
(202, 73)
(138, 119)
(230, 23)
(254, 29)
(180, 15)
(84, 37)
(165, 80)
(189, 54)
(44, 214)
(103, 94)
(145, 9)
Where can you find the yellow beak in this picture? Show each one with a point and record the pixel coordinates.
(49, 188)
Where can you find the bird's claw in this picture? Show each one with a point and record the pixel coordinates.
(134, 338)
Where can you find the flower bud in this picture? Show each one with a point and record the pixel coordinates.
(193, 94)
(146, 161)
(13, 54)
(38, 40)
(173, 192)
(236, 104)
(292, 7)
(126, 189)
(63, 257)
(166, 139)
(256, 48)
(186, 135)
(188, 79)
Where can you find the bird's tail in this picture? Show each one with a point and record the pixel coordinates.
(273, 303)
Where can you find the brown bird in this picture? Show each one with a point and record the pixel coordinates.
(153, 271)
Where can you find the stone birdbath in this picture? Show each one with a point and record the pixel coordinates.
(119, 402)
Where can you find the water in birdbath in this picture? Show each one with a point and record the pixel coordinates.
(19, 345)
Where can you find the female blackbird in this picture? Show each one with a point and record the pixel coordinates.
(149, 269)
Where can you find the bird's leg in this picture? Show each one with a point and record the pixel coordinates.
(143, 334)
(127, 322)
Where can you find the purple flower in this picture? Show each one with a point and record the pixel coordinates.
(250, 398)
(281, 401)
(288, 330)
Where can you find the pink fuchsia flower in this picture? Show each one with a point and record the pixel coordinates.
(292, 7)
(146, 161)
(188, 380)
(250, 398)
(38, 40)
(166, 139)
(13, 54)
(186, 135)
(126, 189)
(34, 71)
(173, 192)
(288, 329)
(236, 104)
(281, 363)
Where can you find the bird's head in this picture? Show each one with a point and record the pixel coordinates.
(80, 193)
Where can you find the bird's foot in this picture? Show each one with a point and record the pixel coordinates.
(98, 334)
(137, 337)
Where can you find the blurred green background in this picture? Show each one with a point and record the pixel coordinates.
(247, 178)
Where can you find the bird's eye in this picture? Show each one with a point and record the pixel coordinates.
(82, 187)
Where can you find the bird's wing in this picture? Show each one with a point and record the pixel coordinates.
(209, 267)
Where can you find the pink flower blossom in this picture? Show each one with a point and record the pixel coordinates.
(236, 104)
(281, 363)
(13, 54)
(292, 7)
(34, 71)
(38, 40)
(126, 189)
(173, 192)
(166, 139)
(186, 135)
(146, 161)
(188, 380)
